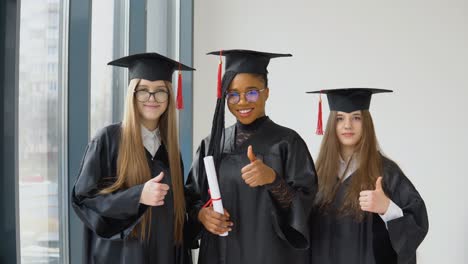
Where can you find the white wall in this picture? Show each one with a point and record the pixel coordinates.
(417, 48)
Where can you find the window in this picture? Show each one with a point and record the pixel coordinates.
(107, 43)
(39, 134)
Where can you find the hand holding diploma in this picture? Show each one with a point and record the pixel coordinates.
(215, 218)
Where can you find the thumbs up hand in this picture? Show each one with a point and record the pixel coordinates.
(374, 201)
(154, 192)
(257, 173)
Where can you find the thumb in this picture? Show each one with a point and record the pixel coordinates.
(226, 213)
(251, 154)
(158, 178)
(378, 184)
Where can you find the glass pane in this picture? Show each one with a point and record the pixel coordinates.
(39, 136)
(102, 51)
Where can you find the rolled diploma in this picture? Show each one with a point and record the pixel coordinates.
(214, 186)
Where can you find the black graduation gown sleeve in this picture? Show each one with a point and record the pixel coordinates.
(406, 233)
(299, 172)
(109, 214)
(194, 187)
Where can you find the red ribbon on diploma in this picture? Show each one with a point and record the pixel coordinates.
(210, 201)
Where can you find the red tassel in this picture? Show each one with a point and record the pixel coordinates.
(180, 99)
(319, 130)
(220, 69)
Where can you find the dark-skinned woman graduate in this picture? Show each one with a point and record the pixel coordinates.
(367, 210)
(265, 172)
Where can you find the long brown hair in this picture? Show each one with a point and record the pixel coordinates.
(369, 166)
(132, 165)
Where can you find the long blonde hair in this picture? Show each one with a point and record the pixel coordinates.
(369, 160)
(132, 164)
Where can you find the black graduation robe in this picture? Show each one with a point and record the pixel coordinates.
(341, 239)
(262, 232)
(110, 218)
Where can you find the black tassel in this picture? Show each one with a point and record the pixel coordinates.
(217, 128)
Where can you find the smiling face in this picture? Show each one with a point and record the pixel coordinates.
(252, 97)
(151, 109)
(349, 128)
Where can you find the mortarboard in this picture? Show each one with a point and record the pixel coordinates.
(244, 61)
(153, 66)
(346, 100)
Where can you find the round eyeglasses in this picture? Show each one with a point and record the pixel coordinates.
(250, 96)
(159, 96)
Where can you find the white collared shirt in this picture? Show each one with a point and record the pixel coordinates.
(393, 211)
(151, 140)
(342, 167)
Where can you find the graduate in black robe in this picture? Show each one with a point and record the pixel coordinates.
(265, 172)
(367, 210)
(129, 193)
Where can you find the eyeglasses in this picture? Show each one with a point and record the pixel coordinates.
(159, 96)
(250, 96)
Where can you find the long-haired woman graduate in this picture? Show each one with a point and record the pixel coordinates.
(129, 193)
(367, 210)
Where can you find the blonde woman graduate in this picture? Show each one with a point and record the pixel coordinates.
(129, 193)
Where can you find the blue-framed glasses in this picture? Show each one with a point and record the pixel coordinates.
(251, 96)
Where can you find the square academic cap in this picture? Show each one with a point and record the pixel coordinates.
(152, 67)
(247, 61)
(244, 61)
(346, 100)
